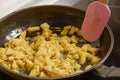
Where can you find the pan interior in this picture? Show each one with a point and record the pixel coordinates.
(53, 15)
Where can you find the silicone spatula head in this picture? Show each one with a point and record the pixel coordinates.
(96, 17)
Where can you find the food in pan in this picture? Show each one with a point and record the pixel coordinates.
(45, 51)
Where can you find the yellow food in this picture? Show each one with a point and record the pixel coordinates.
(49, 54)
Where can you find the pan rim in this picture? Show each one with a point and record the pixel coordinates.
(94, 67)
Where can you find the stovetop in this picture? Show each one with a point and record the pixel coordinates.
(114, 23)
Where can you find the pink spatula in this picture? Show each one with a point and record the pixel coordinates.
(96, 17)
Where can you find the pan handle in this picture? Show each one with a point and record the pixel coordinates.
(108, 72)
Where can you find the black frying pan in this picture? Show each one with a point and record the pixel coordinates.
(55, 16)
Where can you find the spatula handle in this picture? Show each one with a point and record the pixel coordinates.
(104, 1)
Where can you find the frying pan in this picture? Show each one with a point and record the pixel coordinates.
(55, 16)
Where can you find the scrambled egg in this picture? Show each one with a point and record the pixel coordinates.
(48, 54)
